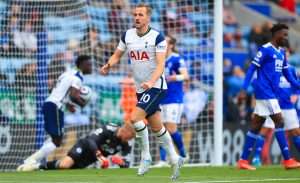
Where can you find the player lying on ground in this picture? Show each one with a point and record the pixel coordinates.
(172, 106)
(66, 90)
(270, 63)
(287, 96)
(105, 141)
(147, 50)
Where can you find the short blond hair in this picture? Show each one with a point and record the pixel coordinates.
(144, 5)
(128, 129)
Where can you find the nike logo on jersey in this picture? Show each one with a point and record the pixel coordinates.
(128, 43)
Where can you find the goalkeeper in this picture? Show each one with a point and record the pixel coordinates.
(105, 141)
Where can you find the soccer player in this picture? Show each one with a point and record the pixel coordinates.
(270, 63)
(172, 106)
(287, 96)
(103, 142)
(147, 51)
(65, 91)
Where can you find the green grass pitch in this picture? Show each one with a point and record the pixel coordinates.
(156, 175)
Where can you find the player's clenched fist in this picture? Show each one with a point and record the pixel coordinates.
(147, 85)
(105, 68)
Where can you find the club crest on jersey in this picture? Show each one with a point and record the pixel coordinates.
(278, 65)
(139, 55)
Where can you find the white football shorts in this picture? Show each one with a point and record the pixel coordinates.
(267, 107)
(171, 112)
(290, 120)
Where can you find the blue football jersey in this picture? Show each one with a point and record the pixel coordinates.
(270, 62)
(286, 90)
(175, 89)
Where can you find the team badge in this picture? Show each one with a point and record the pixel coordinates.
(79, 150)
(259, 54)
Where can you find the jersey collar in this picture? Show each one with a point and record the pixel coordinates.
(79, 74)
(278, 50)
(141, 35)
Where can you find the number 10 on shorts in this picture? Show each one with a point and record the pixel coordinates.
(145, 98)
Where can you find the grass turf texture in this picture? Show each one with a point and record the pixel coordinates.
(156, 175)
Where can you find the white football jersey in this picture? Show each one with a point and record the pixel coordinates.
(60, 93)
(142, 52)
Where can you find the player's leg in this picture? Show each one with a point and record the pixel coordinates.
(155, 123)
(136, 118)
(54, 124)
(289, 163)
(171, 125)
(257, 122)
(291, 124)
(260, 141)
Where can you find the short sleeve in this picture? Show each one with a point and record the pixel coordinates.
(182, 63)
(122, 43)
(160, 43)
(76, 83)
(260, 56)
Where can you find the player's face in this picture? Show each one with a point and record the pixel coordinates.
(86, 67)
(282, 37)
(141, 19)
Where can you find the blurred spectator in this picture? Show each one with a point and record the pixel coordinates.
(55, 69)
(234, 84)
(228, 40)
(28, 40)
(229, 17)
(255, 39)
(4, 43)
(91, 44)
(289, 5)
(171, 19)
(266, 34)
(239, 42)
(73, 50)
(194, 101)
(3, 82)
(227, 65)
(119, 17)
(15, 37)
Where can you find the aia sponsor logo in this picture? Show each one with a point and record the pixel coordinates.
(139, 55)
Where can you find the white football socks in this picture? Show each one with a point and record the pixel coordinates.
(47, 148)
(142, 137)
(166, 143)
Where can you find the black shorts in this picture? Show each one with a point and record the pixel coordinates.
(81, 156)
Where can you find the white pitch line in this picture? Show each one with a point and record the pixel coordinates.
(258, 180)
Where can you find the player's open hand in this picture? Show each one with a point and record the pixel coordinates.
(242, 97)
(70, 107)
(105, 69)
(147, 85)
(117, 160)
(172, 78)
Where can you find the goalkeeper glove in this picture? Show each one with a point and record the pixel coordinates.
(117, 160)
(103, 160)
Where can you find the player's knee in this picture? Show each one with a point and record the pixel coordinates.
(133, 118)
(295, 132)
(279, 122)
